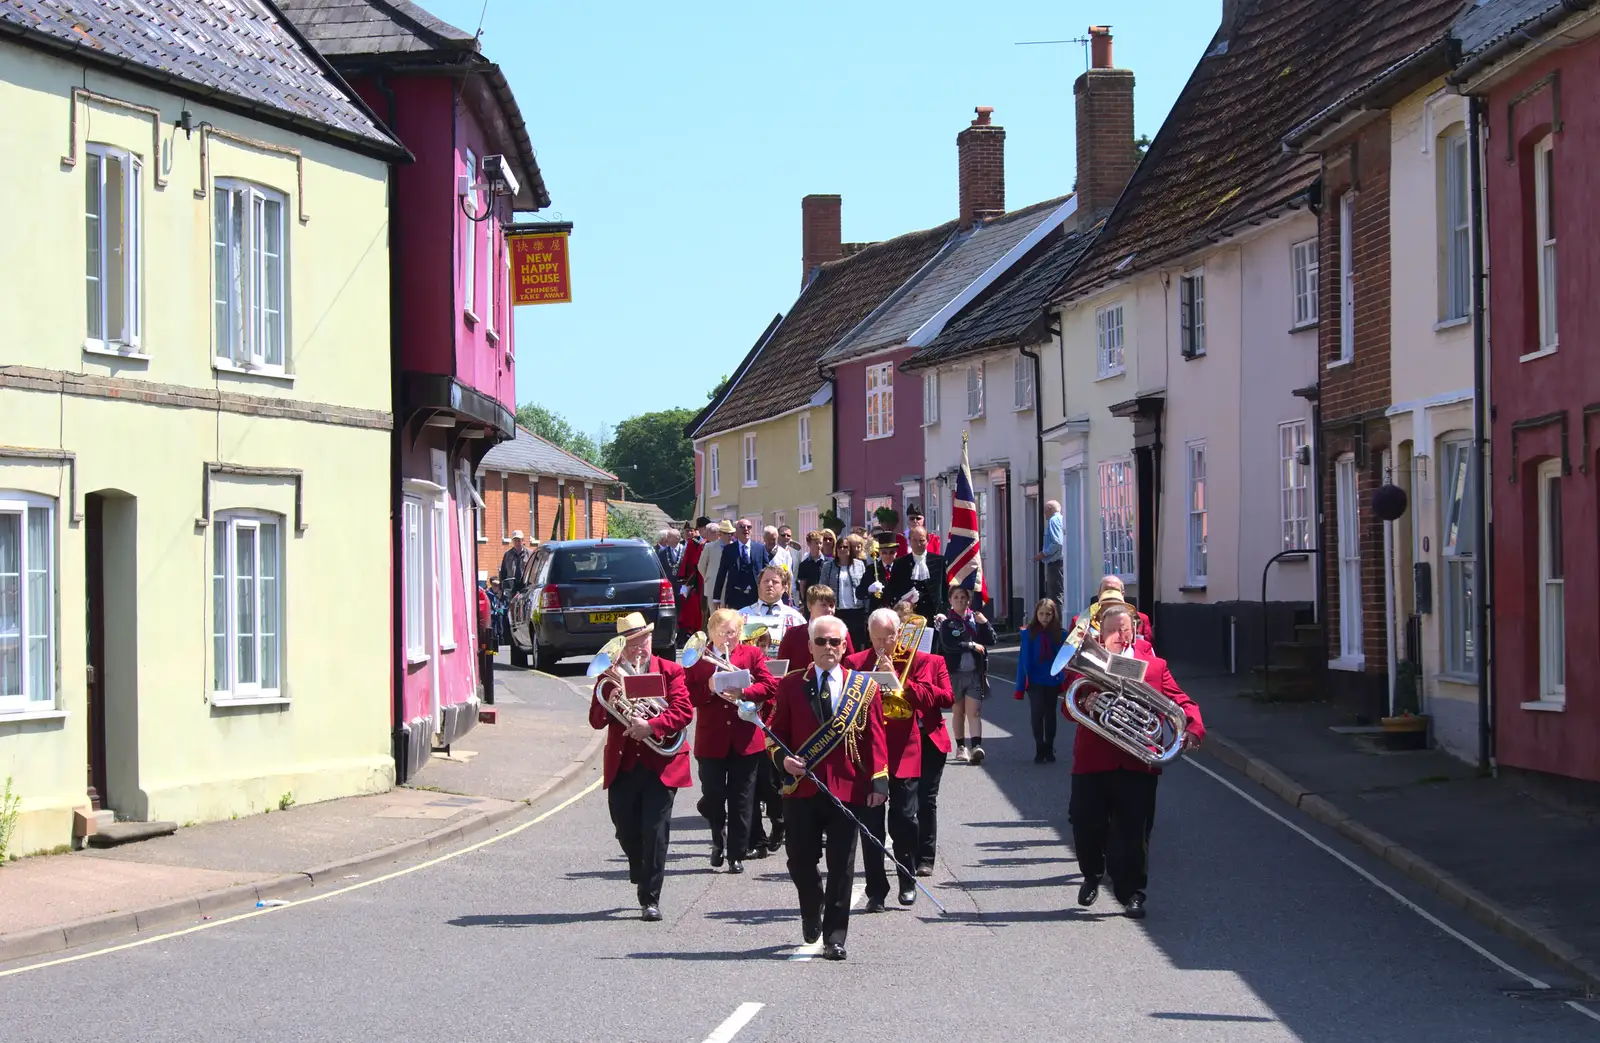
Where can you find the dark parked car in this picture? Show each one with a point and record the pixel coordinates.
(578, 590)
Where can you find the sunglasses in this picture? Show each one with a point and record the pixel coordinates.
(830, 642)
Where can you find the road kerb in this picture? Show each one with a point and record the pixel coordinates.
(39, 942)
(1452, 890)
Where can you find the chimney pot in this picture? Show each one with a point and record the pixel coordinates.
(821, 232)
(1100, 46)
(984, 112)
(981, 169)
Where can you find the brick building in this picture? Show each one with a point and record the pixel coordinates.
(533, 486)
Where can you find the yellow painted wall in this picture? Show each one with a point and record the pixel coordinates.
(180, 757)
(780, 484)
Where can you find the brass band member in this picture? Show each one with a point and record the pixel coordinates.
(831, 717)
(1113, 802)
(729, 751)
(1112, 592)
(640, 783)
(927, 689)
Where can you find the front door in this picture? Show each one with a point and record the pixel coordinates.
(95, 602)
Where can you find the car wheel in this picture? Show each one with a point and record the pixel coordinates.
(519, 657)
(544, 658)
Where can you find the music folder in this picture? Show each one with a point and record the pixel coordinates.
(925, 642)
(886, 680)
(778, 667)
(644, 686)
(1127, 667)
(730, 680)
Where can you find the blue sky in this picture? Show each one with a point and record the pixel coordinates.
(679, 139)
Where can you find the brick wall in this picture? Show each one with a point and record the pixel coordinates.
(507, 511)
(1356, 394)
(981, 169)
(1106, 154)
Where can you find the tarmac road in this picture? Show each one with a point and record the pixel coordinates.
(1263, 926)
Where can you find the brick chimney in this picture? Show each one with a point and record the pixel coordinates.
(1106, 153)
(821, 233)
(981, 163)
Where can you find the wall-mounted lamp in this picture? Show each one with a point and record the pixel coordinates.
(185, 123)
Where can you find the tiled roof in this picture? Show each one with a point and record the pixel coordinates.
(781, 374)
(1218, 162)
(650, 517)
(530, 454)
(239, 48)
(1484, 25)
(999, 318)
(961, 262)
(374, 27)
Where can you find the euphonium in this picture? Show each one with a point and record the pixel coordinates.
(608, 673)
(1124, 711)
(895, 705)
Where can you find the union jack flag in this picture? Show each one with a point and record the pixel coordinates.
(965, 556)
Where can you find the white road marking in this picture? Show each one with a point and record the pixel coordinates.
(807, 952)
(1396, 895)
(297, 903)
(736, 1021)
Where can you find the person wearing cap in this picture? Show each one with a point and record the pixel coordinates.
(641, 783)
(514, 566)
(914, 521)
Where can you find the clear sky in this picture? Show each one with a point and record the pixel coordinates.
(679, 139)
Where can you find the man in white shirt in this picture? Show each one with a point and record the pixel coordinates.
(769, 608)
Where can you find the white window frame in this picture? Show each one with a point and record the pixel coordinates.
(930, 397)
(98, 334)
(482, 511)
(1305, 267)
(932, 520)
(1195, 555)
(228, 687)
(975, 391)
(1347, 278)
(1021, 384)
(1552, 587)
(1294, 484)
(34, 623)
(752, 474)
(415, 565)
(1192, 314)
(714, 468)
(880, 400)
(1455, 228)
(1545, 245)
(869, 508)
(1118, 502)
(1110, 340)
(807, 520)
(803, 426)
(241, 339)
(469, 241)
(1458, 557)
(491, 268)
(1347, 494)
(505, 508)
(443, 575)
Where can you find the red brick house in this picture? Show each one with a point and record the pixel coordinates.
(531, 485)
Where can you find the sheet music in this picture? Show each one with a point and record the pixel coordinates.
(778, 667)
(730, 680)
(1128, 667)
(925, 642)
(885, 679)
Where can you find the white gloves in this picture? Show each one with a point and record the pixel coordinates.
(876, 588)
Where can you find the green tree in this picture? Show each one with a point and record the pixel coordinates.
(711, 396)
(650, 454)
(553, 427)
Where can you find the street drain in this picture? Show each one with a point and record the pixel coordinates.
(1558, 995)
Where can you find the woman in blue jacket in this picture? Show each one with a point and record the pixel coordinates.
(1040, 642)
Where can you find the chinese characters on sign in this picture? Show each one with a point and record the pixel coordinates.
(540, 272)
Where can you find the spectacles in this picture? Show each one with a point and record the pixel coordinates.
(831, 642)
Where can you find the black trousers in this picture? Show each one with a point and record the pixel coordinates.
(1042, 712)
(933, 760)
(769, 799)
(1055, 581)
(855, 621)
(486, 675)
(1111, 814)
(641, 809)
(727, 797)
(899, 814)
(816, 825)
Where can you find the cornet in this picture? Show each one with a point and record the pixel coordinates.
(699, 648)
(606, 669)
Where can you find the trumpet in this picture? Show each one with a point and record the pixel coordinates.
(895, 705)
(608, 672)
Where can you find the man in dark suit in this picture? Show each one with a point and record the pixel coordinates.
(669, 551)
(922, 571)
(742, 562)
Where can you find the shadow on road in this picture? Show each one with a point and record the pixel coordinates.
(543, 919)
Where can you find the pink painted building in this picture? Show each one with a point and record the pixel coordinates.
(455, 373)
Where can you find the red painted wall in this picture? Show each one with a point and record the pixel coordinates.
(1568, 742)
(874, 467)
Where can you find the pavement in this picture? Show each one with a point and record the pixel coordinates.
(1265, 925)
(540, 741)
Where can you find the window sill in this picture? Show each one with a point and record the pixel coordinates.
(1464, 680)
(1546, 705)
(974, 416)
(276, 373)
(931, 423)
(96, 348)
(494, 338)
(750, 485)
(1023, 409)
(471, 319)
(1337, 363)
(1541, 353)
(24, 716)
(1450, 324)
(806, 468)
(1191, 356)
(1304, 327)
(1192, 588)
(451, 647)
(877, 438)
(1299, 556)
(229, 702)
(1352, 664)
(483, 539)
(1109, 376)
(416, 660)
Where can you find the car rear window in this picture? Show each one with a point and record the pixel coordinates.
(605, 565)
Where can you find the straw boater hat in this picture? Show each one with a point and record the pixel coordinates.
(726, 526)
(633, 625)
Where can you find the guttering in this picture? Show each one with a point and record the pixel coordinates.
(1038, 456)
(1480, 437)
(1514, 39)
(1375, 96)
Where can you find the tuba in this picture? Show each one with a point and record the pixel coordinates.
(606, 669)
(1111, 699)
(895, 705)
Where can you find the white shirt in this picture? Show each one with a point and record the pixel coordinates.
(919, 571)
(835, 688)
(778, 618)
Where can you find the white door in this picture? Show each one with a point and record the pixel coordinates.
(1346, 498)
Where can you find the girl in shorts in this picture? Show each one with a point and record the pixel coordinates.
(964, 640)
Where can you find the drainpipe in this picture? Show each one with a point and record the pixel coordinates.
(1484, 645)
(1038, 466)
(399, 747)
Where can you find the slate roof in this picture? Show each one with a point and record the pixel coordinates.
(959, 264)
(999, 318)
(650, 517)
(1218, 163)
(1482, 26)
(241, 49)
(530, 454)
(780, 373)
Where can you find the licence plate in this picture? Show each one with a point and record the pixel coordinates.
(602, 617)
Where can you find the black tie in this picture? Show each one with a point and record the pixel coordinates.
(822, 695)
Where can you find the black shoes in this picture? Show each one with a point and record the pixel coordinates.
(1089, 891)
(908, 895)
(758, 851)
(1049, 756)
(874, 905)
(1038, 758)
(717, 853)
(810, 930)
(924, 868)
(1133, 908)
(833, 951)
(650, 913)
(735, 866)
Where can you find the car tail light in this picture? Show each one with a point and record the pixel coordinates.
(550, 599)
(665, 600)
